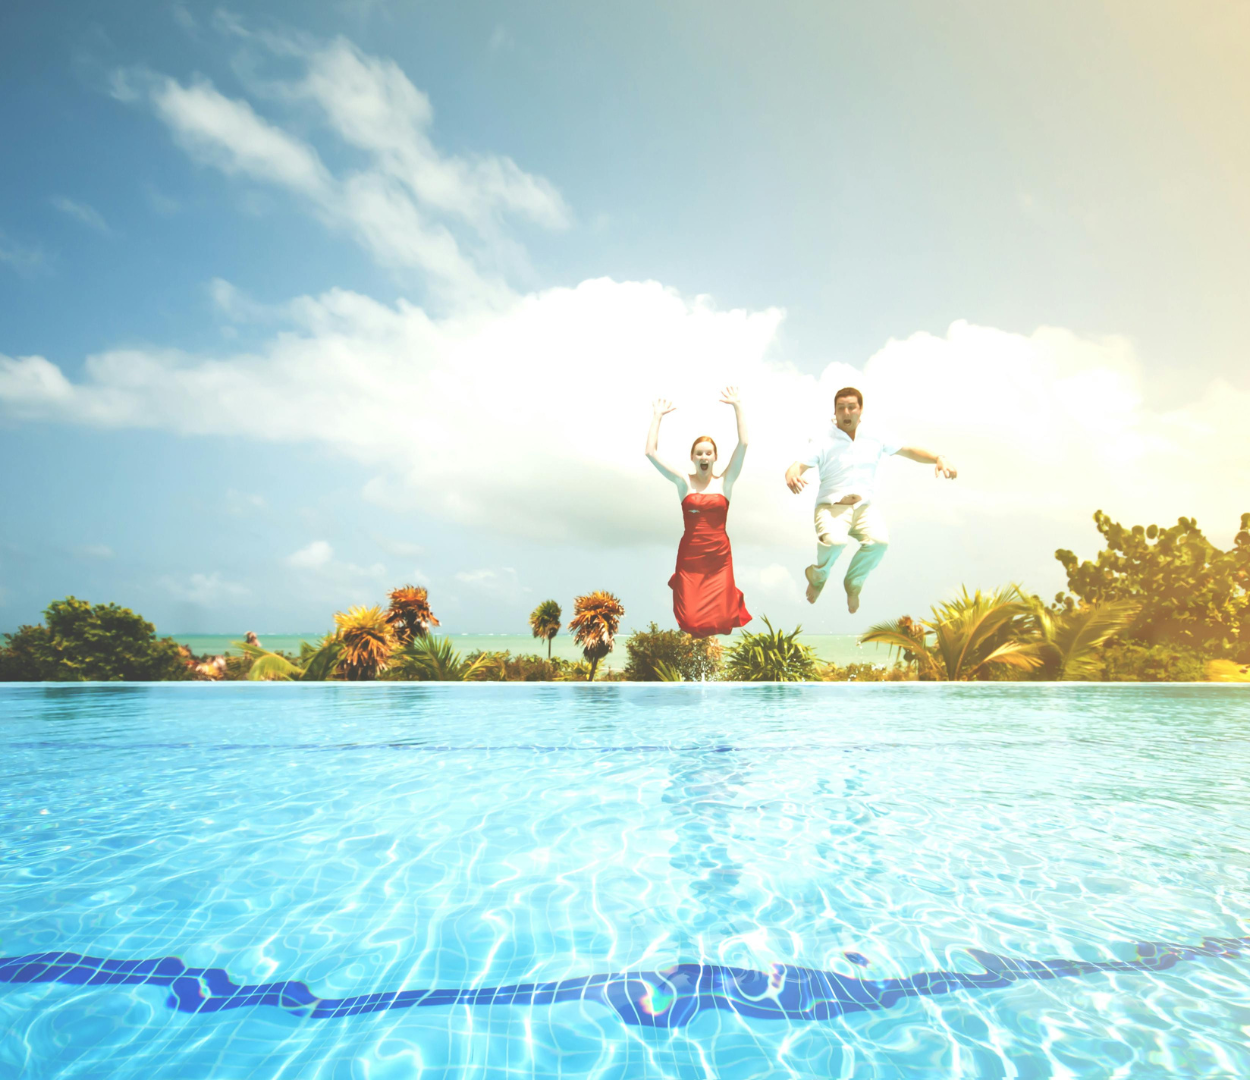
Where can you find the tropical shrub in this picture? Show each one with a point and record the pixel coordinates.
(864, 672)
(1069, 641)
(1136, 661)
(26, 655)
(671, 655)
(97, 642)
(596, 617)
(770, 656)
(545, 622)
(504, 667)
(408, 613)
(434, 660)
(970, 635)
(1190, 593)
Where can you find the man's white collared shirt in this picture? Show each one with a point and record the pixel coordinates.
(847, 466)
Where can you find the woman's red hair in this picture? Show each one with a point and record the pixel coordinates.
(704, 438)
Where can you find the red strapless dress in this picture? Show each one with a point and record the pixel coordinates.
(705, 599)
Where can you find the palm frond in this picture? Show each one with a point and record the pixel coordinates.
(271, 666)
(666, 672)
(322, 662)
(1077, 635)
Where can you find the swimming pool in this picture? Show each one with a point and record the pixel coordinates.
(513, 880)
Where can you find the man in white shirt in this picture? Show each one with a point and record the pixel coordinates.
(846, 459)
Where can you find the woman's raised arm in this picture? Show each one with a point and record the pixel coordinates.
(730, 397)
(659, 408)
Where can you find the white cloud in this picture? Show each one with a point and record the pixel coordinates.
(406, 204)
(229, 135)
(554, 392)
(207, 590)
(316, 554)
(32, 385)
(88, 215)
(94, 551)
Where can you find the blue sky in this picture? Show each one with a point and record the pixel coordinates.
(379, 292)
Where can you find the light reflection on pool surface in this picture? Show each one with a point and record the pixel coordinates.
(367, 839)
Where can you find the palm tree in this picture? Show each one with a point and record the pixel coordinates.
(409, 614)
(596, 617)
(771, 656)
(368, 641)
(970, 633)
(1068, 641)
(545, 622)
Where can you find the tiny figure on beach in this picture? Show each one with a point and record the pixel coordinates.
(705, 599)
(846, 459)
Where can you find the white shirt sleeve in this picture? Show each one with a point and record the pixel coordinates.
(890, 444)
(815, 448)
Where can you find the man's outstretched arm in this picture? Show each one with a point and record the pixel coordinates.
(941, 467)
(794, 477)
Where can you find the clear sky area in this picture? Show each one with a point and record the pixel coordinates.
(303, 301)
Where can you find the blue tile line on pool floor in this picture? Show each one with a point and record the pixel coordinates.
(658, 999)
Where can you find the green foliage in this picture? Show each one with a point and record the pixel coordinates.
(1191, 594)
(25, 655)
(100, 642)
(267, 666)
(431, 659)
(1136, 661)
(504, 667)
(675, 652)
(1070, 641)
(770, 656)
(861, 672)
(258, 664)
(321, 661)
(970, 635)
(666, 672)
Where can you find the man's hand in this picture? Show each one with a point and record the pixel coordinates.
(944, 468)
(794, 478)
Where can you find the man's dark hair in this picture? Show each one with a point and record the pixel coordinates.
(849, 391)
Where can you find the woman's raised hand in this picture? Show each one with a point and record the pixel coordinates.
(661, 406)
(730, 396)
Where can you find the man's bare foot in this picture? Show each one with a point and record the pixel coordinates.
(813, 588)
(852, 601)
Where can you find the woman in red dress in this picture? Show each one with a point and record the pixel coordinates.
(705, 599)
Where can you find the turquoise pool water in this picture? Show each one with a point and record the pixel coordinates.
(624, 881)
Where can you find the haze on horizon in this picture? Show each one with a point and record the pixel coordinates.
(300, 302)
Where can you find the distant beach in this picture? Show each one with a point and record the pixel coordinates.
(840, 649)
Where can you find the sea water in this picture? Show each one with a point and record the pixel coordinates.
(506, 880)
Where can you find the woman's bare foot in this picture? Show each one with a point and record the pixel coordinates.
(852, 600)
